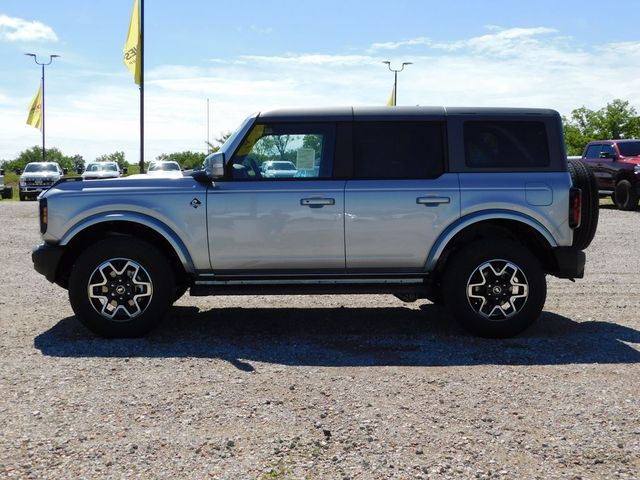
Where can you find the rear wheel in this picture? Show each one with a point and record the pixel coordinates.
(494, 288)
(625, 196)
(121, 287)
(22, 196)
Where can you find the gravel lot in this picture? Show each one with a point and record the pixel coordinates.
(359, 387)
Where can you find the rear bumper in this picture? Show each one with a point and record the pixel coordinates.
(569, 262)
(46, 259)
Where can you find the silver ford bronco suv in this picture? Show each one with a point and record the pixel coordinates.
(470, 208)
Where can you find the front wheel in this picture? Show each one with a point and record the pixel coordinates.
(121, 287)
(494, 289)
(625, 196)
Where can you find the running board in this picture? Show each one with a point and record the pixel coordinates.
(416, 288)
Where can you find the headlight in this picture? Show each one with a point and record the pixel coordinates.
(23, 182)
(636, 169)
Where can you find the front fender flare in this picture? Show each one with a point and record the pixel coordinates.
(159, 227)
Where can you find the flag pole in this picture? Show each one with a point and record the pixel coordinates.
(141, 86)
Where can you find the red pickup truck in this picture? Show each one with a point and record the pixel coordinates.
(616, 165)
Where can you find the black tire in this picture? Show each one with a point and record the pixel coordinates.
(7, 192)
(625, 196)
(139, 272)
(584, 179)
(22, 196)
(180, 291)
(503, 272)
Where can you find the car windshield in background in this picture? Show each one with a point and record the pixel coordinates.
(102, 167)
(35, 167)
(164, 167)
(629, 149)
(283, 166)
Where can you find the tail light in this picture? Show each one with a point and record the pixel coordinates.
(575, 207)
(44, 215)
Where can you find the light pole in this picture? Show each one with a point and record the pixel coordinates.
(395, 78)
(35, 59)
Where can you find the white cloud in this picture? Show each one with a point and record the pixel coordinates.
(527, 67)
(13, 29)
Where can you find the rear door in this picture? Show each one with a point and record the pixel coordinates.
(399, 200)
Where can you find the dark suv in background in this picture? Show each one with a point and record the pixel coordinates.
(616, 165)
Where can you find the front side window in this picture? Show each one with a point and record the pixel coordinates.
(506, 144)
(284, 151)
(398, 150)
(608, 150)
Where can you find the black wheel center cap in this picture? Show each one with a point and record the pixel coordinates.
(497, 290)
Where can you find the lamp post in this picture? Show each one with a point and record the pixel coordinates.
(35, 59)
(395, 78)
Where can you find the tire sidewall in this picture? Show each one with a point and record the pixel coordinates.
(149, 258)
(467, 261)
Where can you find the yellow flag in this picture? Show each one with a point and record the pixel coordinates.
(392, 99)
(132, 45)
(35, 111)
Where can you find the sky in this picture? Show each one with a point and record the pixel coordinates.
(249, 56)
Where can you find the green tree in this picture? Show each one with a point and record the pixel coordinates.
(117, 157)
(618, 119)
(34, 154)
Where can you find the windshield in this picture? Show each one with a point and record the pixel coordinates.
(41, 167)
(235, 134)
(629, 149)
(165, 167)
(283, 166)
(102, 167)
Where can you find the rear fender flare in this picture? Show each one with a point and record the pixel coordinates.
(452, 230)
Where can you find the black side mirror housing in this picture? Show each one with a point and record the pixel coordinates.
(125, 171)
(65, 171)
(2, 171)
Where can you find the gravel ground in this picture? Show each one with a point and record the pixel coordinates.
(333, 387)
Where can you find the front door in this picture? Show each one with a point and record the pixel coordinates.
(278, 207)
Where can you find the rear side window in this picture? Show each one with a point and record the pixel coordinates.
(593, 151)
(501, 144)
(398, 150)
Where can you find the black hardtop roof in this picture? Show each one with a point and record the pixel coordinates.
(396, 113)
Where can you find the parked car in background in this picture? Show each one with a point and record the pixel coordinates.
(38, 177)
(6, 191)
(616, 165)
(101, 170)
(165, 169)
(278, 169)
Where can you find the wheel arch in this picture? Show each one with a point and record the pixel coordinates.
(82, 236)
(506, 225)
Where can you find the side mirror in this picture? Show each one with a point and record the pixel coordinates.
(79, 170)
(2, 172)
(65, 171)
(125, 171)
(214, 165)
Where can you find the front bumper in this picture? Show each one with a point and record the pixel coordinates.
(569, 262)
(46, 259)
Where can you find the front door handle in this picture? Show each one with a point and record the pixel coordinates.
(432, 200)
(316, 202)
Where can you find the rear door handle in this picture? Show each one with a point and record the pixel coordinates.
(432, 200)
(316, 202)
